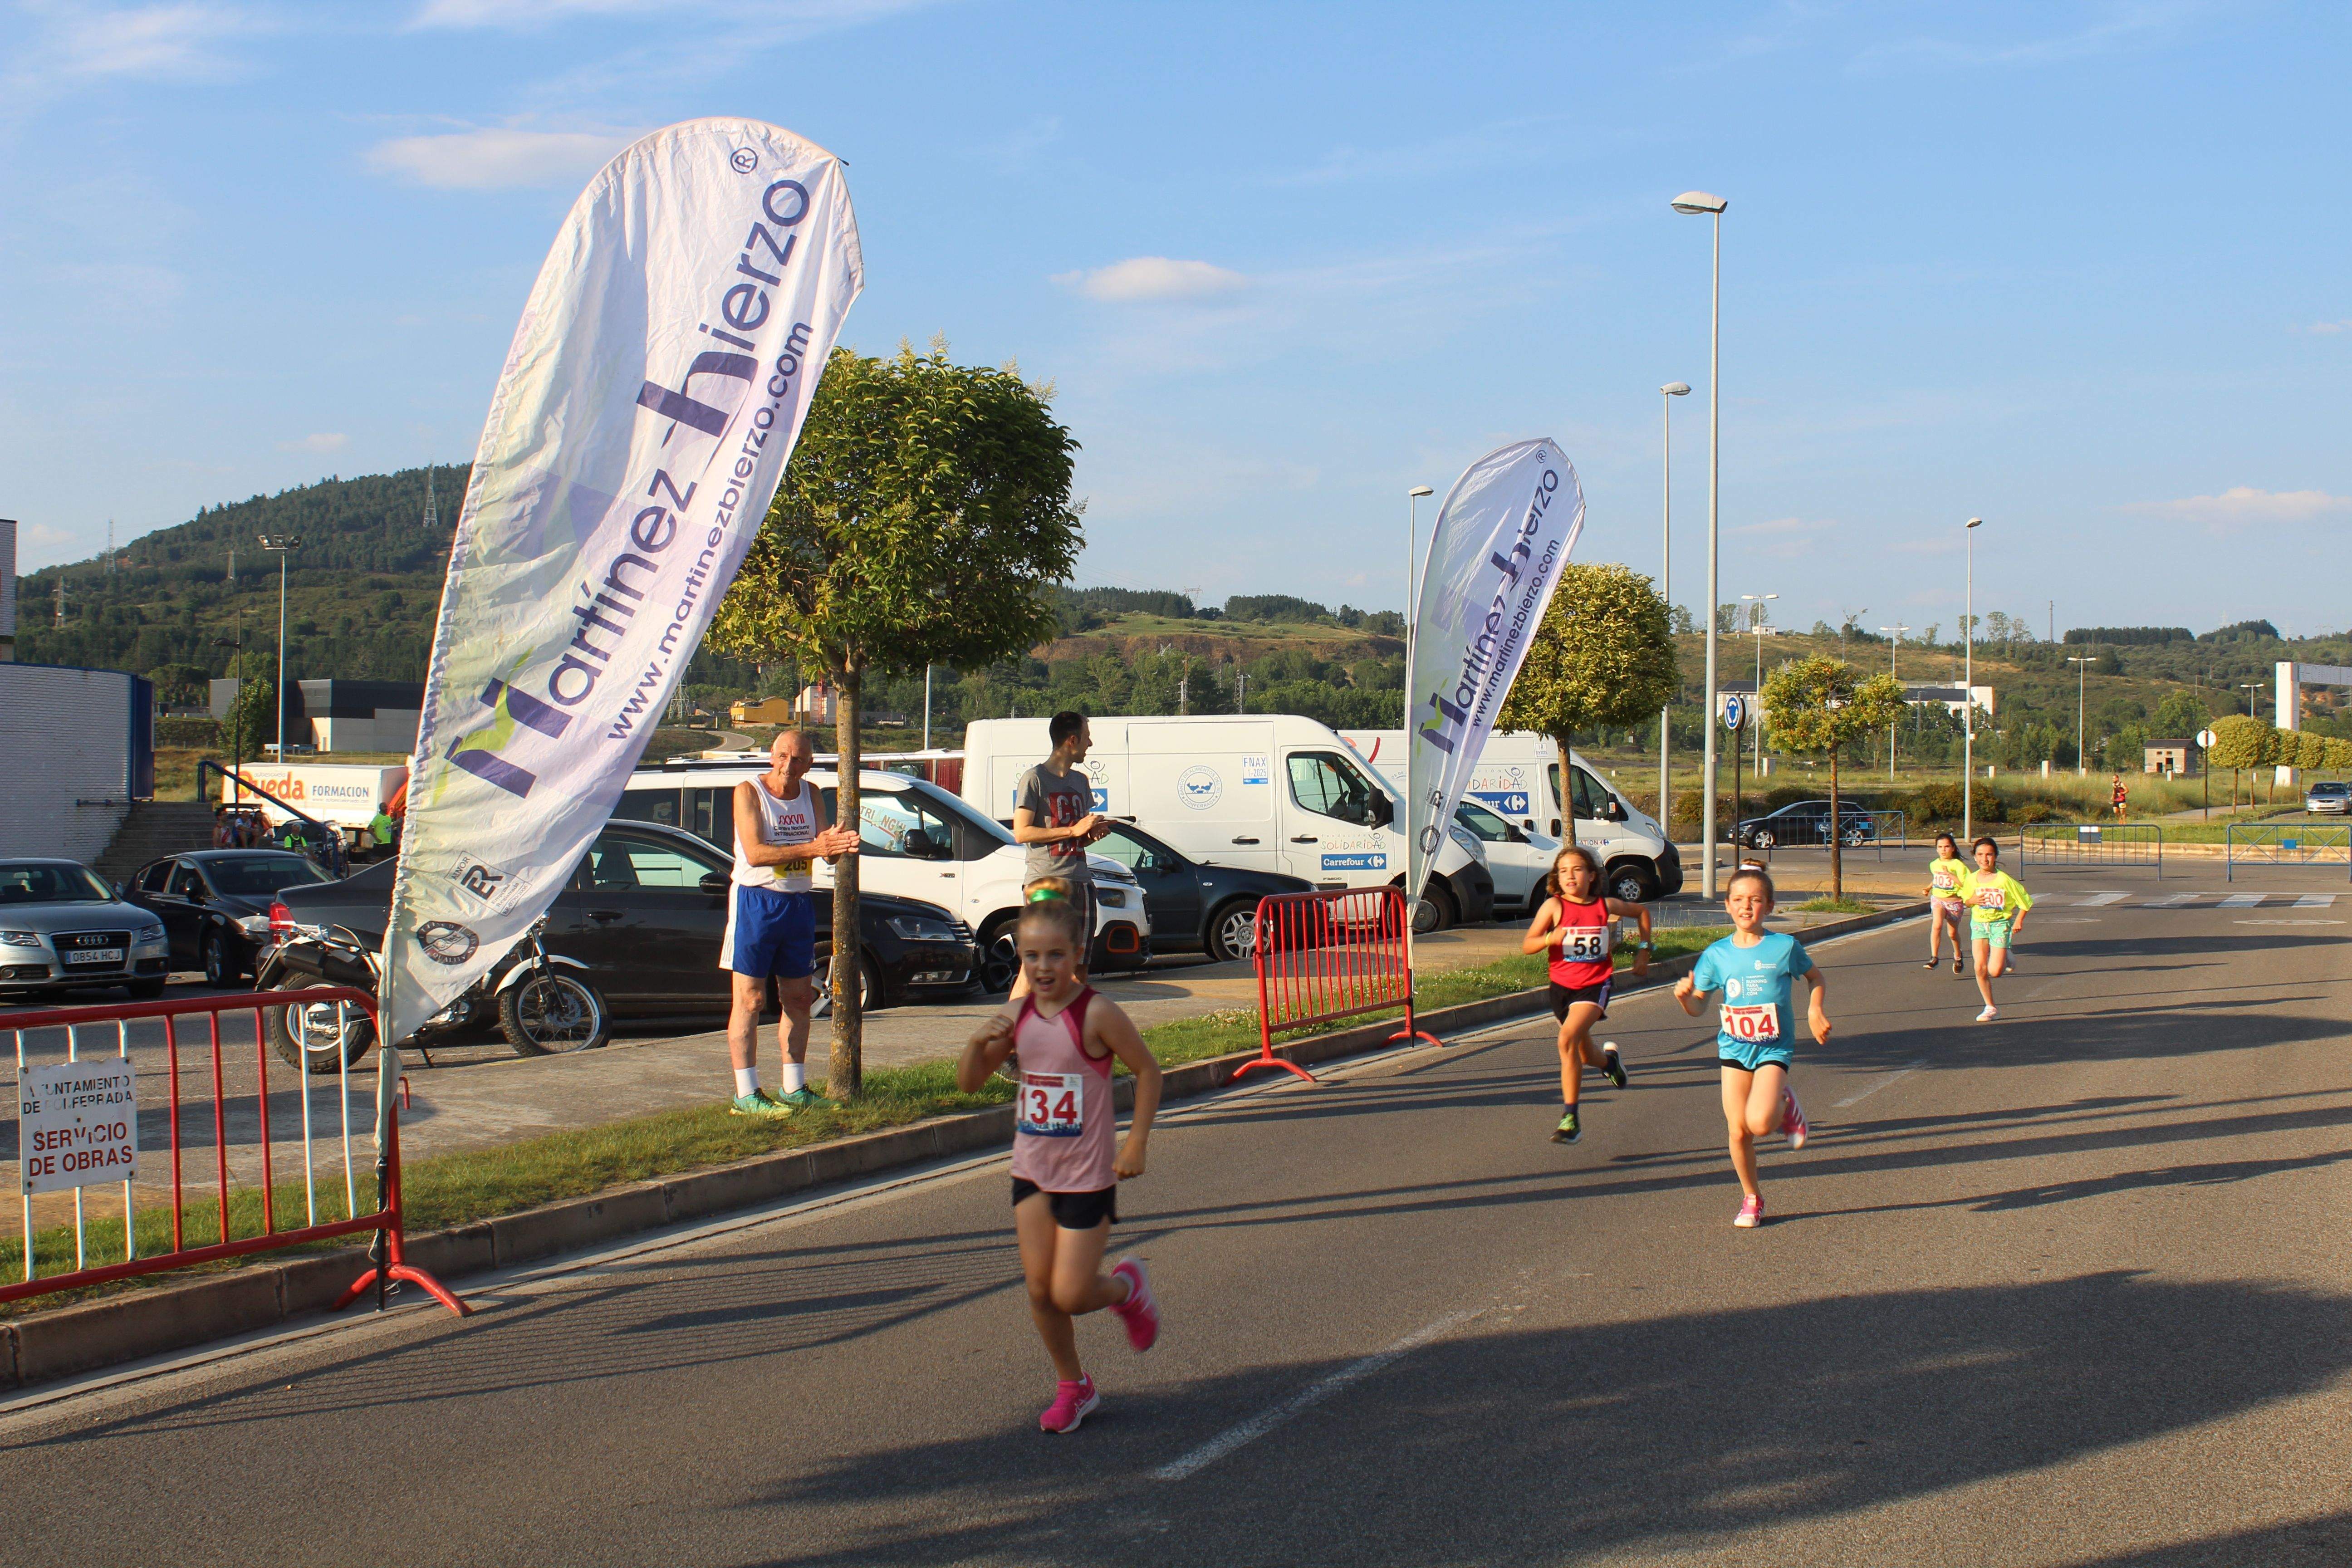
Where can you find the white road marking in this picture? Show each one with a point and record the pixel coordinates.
(2315, 901)
(2241, 901)
(2170, 901)
(1314, 1393)
(1882, 1083)
(2097, 899)
(2285, 923)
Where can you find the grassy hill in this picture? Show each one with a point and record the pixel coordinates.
(362, 591)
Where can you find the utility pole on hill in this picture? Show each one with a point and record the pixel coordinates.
(431, 516)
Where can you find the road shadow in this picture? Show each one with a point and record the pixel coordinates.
(1553, 1444)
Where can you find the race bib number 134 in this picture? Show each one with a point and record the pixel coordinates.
(1052, 1105)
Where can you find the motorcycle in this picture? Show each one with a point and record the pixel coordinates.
(543, 1002)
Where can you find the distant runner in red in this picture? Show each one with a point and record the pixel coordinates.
(2121, 795)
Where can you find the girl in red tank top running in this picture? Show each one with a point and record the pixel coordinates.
(1066, 1169)
(1578, 927)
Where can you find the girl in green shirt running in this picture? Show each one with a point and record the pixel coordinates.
(1997, 904)
(1945, 875)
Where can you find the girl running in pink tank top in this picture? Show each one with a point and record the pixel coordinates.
(1066, 1174)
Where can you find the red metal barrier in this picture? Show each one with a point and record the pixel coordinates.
(1329, 955)
(388, 1263)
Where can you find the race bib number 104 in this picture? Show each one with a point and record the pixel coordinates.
(1754, 1024)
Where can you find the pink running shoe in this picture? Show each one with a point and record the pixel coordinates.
(1073, 1403)
(1751, 1215)
(1792, 1119)
(1139, 1312)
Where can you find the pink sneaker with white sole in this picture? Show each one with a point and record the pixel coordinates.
(1792, 1119)
(1752, 1212)
(1139, 1312)
(1073, 1403)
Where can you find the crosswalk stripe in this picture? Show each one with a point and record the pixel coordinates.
(2170, 901)
(2241, 901)
(2098, 900)
(2314, 900)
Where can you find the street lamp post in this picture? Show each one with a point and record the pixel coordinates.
(1691, 202)
(1968, 689)
(1895, 632)
(1666, 576)
(283, 546)
(2081, 762)
(1756, 625)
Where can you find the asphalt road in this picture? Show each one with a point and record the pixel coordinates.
(2064, 1289)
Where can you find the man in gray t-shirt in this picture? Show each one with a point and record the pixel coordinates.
(1053, 819)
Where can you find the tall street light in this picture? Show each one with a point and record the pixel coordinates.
(1968, 689)
(1894, 632)
(1412, 499)
(2081, 763)
(1666, 573)
(1691, 202)
(283, 546)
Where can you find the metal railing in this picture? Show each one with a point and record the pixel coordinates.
(2091, 844)
(1322, 956)
(77, 1126)
(2285, 844)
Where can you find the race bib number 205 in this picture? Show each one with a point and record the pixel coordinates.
(1052, 1105)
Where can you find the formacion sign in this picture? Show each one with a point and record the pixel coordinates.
(78, 1123)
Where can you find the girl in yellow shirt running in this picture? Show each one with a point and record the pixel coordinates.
(1945, 875)
(1996, 903)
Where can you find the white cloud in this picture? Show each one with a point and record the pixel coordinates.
(498, 158)
(2329, 329)
(326, 442)
(178, 40)
(2242, 506)
(1152, 277)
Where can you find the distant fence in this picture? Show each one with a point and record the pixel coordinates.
(1329, 955)
(2285, 844)
(2086, 844)
(1855, 829)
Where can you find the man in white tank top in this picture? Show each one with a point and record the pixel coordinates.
(780, 828)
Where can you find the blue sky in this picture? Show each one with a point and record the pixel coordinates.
(2076, 268)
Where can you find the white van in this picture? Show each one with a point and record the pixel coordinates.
(915, 840)
(1274, 792)
(1518, 779)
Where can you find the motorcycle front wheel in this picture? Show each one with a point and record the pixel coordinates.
(552, 1014)
(318, 1036)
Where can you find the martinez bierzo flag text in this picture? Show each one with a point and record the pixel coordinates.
(659, 379)
(1505, 530)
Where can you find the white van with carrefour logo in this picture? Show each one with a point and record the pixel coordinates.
(1517, 778)
(1274, 792)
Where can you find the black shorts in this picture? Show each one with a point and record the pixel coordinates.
(1072, 1210)
(1562, 995)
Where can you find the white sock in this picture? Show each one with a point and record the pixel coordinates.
(747, 1081)
(795, 1077)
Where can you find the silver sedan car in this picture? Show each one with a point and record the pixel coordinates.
(62, 924)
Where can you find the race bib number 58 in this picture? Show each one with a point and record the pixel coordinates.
(1052, 1105)
(1583, 944)
(1752, 1024)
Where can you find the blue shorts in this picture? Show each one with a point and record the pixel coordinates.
(1996, 932)
(770, 933)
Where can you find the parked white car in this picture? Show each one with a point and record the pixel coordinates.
(915, 840)
(1518, 779)
(1517, 858)
(1273, 792)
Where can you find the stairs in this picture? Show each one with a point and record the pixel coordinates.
(154, 829)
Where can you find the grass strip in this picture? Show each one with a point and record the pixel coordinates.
(473, 1184)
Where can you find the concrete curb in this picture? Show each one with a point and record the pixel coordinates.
(140, 1323)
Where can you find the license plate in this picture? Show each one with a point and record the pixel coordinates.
(96, 955)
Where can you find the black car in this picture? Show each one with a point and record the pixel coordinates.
(646, 912)
(1806, 822)
(214, 904)
(1194, 907)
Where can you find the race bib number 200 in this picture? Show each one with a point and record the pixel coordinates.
(1993, 898)
(1583, 944)
(1752, 1024)
(1052, 1105)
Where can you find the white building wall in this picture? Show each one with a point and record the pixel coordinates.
(65, 737)
(387, 730)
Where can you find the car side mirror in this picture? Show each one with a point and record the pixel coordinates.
(1513, 834)
(919, 846)
(1383, 811)
(714, 882)
(1613, 812)
(196, 895)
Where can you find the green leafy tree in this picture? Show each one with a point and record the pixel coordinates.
(2239, 741)
(180, 683)
(1604, 656)
(252, 717)
(1819, 705)
(924, 518)
(2182, 714)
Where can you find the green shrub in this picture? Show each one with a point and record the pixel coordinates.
(193, 735)
(2035, 811)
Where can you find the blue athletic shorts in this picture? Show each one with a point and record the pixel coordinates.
(770, 933)
(1751, 1055)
